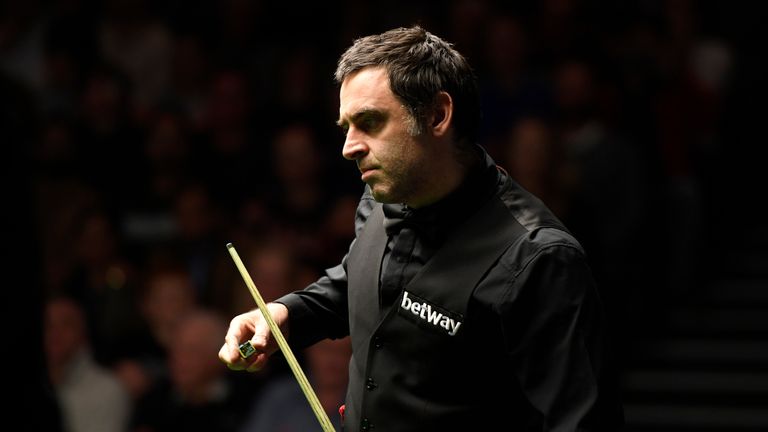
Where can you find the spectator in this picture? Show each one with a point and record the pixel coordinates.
(92, 399)
(102, 280)
(198, 394)
(168, 296)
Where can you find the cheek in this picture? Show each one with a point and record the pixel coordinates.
(399, 152)
(410, 159)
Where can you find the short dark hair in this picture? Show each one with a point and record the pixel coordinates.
(419, 66)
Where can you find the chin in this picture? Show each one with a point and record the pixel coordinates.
(384, 197)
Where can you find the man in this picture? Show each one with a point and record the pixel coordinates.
(469, 305)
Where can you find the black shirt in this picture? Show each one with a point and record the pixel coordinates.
(538, 303)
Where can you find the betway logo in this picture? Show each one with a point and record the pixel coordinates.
(429, 314)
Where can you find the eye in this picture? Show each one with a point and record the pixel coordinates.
(344, 129)
(367, 124)
(370, 123)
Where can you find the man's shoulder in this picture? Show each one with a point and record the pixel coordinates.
(542, 229)
(531, 213)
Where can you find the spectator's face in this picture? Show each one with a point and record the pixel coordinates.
(194, 362)
(170, 296)
(65, 331)
(96, 244)
(296, 158)
(529, 152)
(393, 162)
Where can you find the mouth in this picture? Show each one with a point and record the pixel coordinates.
(366, 173)
(366, 169)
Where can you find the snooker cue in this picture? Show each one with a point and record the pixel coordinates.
(322, 417)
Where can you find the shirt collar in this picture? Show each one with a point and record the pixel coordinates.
(434, 221)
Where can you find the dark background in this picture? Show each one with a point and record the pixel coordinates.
(164, 120)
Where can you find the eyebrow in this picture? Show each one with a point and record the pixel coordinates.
(364, 112)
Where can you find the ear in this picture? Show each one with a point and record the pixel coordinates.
(442, 114)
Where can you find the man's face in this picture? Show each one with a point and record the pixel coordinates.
(392, 161)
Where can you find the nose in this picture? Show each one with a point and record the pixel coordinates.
(354, 146)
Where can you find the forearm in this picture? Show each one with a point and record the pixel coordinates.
(318, 311)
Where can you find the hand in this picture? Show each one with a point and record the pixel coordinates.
(252, 324)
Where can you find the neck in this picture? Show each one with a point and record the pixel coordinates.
(450, 173)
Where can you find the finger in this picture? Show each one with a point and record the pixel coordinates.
(230, 352)
(259, 362)
(234, 363)
(260, 341)
(258, 353)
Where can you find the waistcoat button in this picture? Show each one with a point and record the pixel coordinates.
(366, 425)
(370, 384)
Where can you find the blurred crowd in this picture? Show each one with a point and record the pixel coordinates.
(159, 131)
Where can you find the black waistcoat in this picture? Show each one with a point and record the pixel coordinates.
(425, 364)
